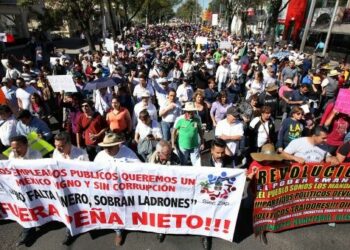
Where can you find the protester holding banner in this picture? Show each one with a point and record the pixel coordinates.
(114, 151)
(305, 149)
(21, 150)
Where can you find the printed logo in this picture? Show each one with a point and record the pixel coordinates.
(218, 186)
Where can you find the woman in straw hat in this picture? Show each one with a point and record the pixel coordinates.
(267, 157)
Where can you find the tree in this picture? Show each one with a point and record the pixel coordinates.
(231, 8)
(189, 10)
(158, 10)
(274, 9)
(79, 11)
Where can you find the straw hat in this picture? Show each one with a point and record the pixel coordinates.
(189, 106)
(316, 80)
(334, 72)
(271, 88)
(268, 153)
(111, 139)
(290, 81)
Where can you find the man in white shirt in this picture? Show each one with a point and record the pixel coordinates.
(145, 103)
(184, 92)
(8, 124)
(103, 101)
(23, 93)
(21, 150)
(305, 149)
(65, 150)
(114, 151)
(141, 87)
(230, 130)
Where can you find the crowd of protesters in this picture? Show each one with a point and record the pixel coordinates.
(170, 95)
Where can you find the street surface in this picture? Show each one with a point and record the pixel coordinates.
(312, 237)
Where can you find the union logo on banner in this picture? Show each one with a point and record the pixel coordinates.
(218, 186)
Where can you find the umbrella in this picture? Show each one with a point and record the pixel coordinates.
(103, 82)
(281, 55)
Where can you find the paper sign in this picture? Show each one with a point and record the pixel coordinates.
(225, 45)
(53, 60)
(109, 45)
(305, 108)
(342, 104)
(215, 19)
(61, 83)
(4, 62)
(201, 40)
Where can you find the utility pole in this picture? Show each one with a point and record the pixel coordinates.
(329, 33)
(308, 25)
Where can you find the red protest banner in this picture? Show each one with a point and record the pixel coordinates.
(291, 196)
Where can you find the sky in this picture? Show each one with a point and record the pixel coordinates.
(203, 3)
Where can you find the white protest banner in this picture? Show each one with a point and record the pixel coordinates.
(61, 83)
(201, 40)
(214, 19)
(109, 43)
(133, 196)
(225, 45)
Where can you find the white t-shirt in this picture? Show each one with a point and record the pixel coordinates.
(143, 130)
(301, 147)
(24, 95)
(152, 111)
(262, 135)
(75, 154)
(184, 93)
(139, 90)
(7, 130)
(225, 128)
(124, 154)
(172, 114)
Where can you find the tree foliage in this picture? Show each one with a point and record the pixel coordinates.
(189, 10)
(159, 10)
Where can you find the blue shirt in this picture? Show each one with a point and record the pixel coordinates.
(35, 125)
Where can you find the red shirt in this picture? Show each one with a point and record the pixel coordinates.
(95, 127)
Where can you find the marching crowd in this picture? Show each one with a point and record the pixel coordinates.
(161, 98)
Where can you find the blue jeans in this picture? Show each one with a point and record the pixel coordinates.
(185, 154)
(166, 128)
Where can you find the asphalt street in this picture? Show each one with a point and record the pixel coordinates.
(312, 237)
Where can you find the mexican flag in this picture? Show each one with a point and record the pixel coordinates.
(7, 38)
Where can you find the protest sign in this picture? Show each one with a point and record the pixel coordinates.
(215, 19)
(342, 103)
(133, 196)
(225, 45)
(201, 40)
(53, 60)
(61, 83)
(35, 143)
(109, 43)
(301, 194)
